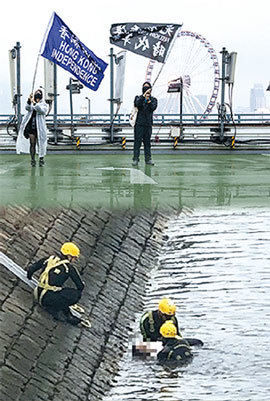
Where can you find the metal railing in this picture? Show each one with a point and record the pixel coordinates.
(192, 119)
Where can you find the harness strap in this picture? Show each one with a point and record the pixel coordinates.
(52, 262)
(170, 354)
(151, 322)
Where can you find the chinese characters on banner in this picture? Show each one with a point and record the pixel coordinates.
(62, 47)
(149, 40)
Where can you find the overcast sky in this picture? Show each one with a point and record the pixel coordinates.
(238, 25)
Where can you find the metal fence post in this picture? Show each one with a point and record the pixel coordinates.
(18, 58)
(55, 102)
(111, 94)
(222, 105)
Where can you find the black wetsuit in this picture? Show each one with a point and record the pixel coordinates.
(143, 126)
(176, 351)
(50, 292)
(150, 324)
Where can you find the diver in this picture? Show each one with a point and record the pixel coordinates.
(176, 349)
(151, 321)
(50, 293)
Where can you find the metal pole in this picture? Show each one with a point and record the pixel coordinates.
(111, 95)
(181, 108)
(71, 106)
(19, 116)
(55, 102)
(89, 108)
(222, 105)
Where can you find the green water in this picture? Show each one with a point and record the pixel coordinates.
(201, 180)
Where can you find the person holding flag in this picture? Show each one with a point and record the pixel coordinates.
(146, 105)
(153, 41)
(62, 47)
(33, 128)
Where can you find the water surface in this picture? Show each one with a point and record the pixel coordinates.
(216, 267)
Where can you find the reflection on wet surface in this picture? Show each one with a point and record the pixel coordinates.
(110, 181)
(216, 268)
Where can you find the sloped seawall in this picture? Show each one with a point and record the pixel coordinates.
(41, 359)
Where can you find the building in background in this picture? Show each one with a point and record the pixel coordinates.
(257, 98)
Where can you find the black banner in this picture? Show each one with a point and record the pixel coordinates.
(149, 40)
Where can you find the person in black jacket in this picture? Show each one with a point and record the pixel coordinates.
(146, 105)
(55, 271)
(151, 321)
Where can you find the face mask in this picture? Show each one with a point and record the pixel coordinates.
(37, 96)
(145, 88)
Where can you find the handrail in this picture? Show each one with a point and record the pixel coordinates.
(195, 119)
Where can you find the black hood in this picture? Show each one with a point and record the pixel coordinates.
(146, 86)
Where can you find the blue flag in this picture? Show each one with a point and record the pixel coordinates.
(62, 47)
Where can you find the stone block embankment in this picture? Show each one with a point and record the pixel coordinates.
(45, 360)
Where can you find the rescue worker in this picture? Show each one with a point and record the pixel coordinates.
(33, 128)
(151, 322)
(146, 105)
(176, 349)
(55, 271)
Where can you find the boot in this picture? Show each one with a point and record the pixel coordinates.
(73, 320)
(70, 318)
(54, 313)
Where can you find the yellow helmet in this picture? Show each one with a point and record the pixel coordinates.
(166, 306)
(69, 248)
(168, 329)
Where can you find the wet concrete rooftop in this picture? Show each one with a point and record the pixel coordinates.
(110, 181)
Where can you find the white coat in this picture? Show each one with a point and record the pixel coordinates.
(23, 144)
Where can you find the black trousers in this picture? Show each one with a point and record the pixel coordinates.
(55, 301)
(142, 134)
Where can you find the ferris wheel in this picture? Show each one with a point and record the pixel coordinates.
(192, 60)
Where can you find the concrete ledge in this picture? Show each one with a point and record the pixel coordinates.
(221, 150)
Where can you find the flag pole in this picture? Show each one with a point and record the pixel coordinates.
(169, 51)
(41, 49)
(35, 73)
